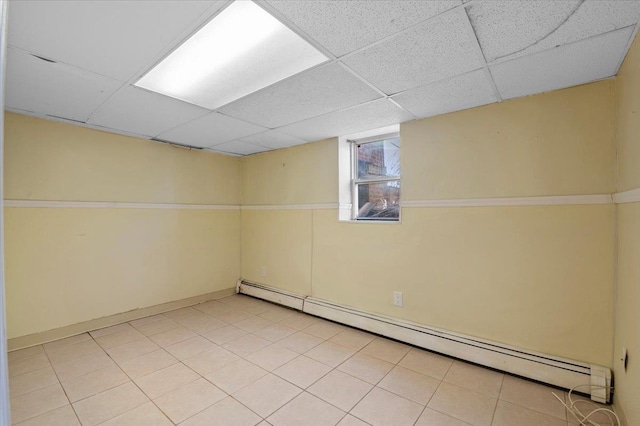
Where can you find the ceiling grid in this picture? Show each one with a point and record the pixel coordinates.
(482, 57)
(388, 62)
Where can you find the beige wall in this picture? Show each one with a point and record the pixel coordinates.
(627, 308)
(46, 160)
(627, 109)
(539, 277)
(303, 174)
(557, 143)
(526, 276)
(627, 332)
(280, 241)
(67, 265)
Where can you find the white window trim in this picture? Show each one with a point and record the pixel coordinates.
(346, 179)
(355, 181)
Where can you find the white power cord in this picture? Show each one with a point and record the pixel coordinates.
(585, 419)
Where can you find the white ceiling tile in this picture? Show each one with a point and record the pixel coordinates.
(440, 48)
(314, 92)
(465, 91)
(345, 26)
(424, 53)
(209, 130)
(145, 113)
(355, 119)
(112, 38)
(508, 29)
(273, 139)
(505, 26)
(238, 148)
(565, 66)
(50, 88)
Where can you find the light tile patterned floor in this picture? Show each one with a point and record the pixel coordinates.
(241, 361)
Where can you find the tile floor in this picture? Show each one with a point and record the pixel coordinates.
(241, 361)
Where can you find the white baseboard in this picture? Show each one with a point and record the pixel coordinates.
(21, 342)
(557, 371)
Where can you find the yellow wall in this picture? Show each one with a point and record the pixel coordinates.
(68, 265)
(303, 174)
(557, 143)
(627, 332)
(46, 160)
(627, 110)
(279, 240)
(538, 277)
(534, 277)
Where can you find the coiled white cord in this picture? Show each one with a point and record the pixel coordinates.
(585, 419)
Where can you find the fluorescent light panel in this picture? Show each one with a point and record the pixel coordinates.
(241, 50)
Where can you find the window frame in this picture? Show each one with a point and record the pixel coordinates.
(355, 182)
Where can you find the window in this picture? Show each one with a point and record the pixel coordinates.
(375, 178)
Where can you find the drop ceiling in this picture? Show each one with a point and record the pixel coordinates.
(389, 62)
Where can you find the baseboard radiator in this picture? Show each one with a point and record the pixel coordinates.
(553, 370)
(271, 294)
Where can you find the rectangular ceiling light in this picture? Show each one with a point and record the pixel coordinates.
(241, 50)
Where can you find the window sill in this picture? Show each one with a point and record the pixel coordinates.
(372, 222)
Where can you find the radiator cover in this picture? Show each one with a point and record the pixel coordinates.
(557, 371)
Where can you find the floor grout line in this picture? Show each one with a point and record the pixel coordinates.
(62, 387)
(131, 381)
(244, 304)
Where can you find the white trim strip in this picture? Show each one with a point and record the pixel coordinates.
(292, 207)
(631, 196)
(113, 205)
(514, 201)
(41, 337)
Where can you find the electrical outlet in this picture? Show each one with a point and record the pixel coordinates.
(397, 298)
(263, 271)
